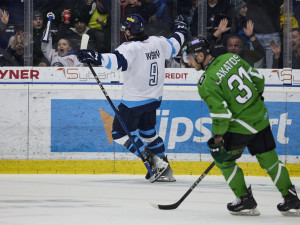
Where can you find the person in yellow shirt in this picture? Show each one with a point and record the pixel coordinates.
(100, 16)
(284, 19)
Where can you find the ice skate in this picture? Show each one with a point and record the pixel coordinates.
(158, 165)
(291, 204)
(167, 176)
(244, 205)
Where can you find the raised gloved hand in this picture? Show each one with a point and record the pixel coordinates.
(89, 56)
(218, 151)
(181, 24)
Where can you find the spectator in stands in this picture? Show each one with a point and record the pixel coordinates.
(283, 19)
(187, 8)
(38, 28)
(99, 18)
(100, 14)
(239, 20)
(64, 56)
(236, 44)
(4, 18)
(216, 11)
(296, 10)
(74, 31)
(147, 10)
(161, 22)
(276, 48)
(265, 15)
(254, 57)
(296, 48)
(144, 8)
(14, 54)
(163, 12)
(16, 12)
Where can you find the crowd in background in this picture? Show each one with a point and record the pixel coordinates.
(252, 29)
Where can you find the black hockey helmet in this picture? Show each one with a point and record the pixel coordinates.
(197, 44)
(193, 47)
(133, 22)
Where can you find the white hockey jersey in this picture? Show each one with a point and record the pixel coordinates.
(143, 68)
(55, 59)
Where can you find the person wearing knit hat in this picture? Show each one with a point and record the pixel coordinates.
(239, 5)
(37, 14)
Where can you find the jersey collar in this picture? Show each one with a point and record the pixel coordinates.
(210, 61)
(140, 39)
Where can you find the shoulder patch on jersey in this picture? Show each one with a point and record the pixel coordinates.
(201, 80)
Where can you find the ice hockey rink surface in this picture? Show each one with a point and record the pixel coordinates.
(126, 199)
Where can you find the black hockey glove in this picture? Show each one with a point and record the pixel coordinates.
(89, 56)
(218, 151)
(181, 25)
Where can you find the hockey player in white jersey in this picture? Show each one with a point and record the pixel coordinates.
(142, 62)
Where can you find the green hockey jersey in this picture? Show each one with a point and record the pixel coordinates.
(230, 87)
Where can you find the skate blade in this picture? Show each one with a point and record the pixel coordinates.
(165, 179)
(167, 176)
(291, 212)
(157, 175)
(246, 212)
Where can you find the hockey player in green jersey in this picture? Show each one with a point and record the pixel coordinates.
(233, 90)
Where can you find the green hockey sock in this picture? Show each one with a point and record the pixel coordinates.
(276, 170)
(234, 177)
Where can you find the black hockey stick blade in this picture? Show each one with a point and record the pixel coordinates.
(176, 204)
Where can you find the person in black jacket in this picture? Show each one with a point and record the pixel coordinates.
(38, 29)
(216, 11)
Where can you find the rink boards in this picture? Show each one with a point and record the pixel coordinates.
(57, 120)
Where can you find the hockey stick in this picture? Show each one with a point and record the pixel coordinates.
(176, 204)
(84, 42)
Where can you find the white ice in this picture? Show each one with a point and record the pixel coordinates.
(126, 200)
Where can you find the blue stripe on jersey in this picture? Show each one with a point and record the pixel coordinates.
(156, 146)
(122, 62)
(148, 132)
(131, 104)
(177, 37)
(173, 49)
